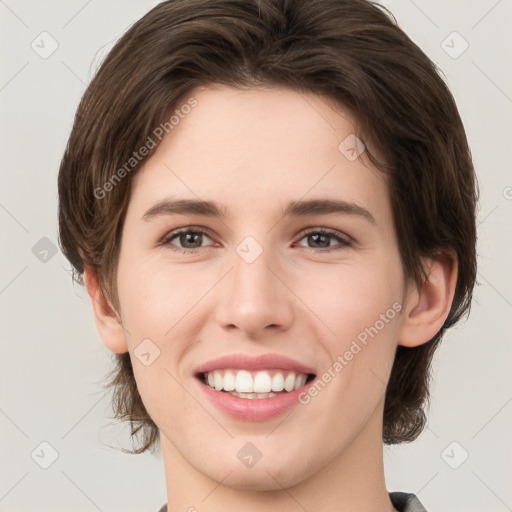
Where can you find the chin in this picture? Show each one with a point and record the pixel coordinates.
(259, 481)
(270, 475)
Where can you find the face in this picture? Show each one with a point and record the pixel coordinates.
(303, 289)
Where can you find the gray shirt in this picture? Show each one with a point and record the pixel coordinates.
(402, 501)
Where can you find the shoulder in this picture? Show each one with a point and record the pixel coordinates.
(405, 502)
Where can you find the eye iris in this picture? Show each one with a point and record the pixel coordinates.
(186, 237)
(321, 236)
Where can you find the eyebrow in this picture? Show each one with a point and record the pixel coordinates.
(292, 209)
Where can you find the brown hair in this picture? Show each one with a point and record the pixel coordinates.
(350, 51)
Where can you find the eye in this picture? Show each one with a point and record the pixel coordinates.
(323, 237)
(190, 238)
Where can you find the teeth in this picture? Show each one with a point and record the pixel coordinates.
(289, 382)
(278, 382)
(262, 382)
(251, 396)
(243, 382)
(229, 381)
(256, 383)
(218, 380)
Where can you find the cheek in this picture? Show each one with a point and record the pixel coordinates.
(359, 310)
(349, 298)
(159, 303)
(155, 296)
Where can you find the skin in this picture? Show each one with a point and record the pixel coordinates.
(253, 151)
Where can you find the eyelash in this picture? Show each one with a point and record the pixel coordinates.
(345, 242)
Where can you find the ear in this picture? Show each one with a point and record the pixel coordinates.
(108, 322)
(428, 306)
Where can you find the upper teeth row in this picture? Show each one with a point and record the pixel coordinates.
(243, 381)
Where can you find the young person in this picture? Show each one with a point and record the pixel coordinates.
(272, 206)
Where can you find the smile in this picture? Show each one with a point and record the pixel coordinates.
(255, 384)
(255, 406)
(253, 387)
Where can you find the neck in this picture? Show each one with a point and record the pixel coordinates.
(353, 480)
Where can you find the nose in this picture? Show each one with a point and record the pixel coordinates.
(254, 297)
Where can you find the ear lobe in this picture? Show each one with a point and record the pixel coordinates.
(428, 307)
(108, 322)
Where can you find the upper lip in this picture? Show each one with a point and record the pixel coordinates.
(261, 362)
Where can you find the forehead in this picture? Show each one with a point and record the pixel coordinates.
(247, 149)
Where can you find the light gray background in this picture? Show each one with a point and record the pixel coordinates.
(52, 359)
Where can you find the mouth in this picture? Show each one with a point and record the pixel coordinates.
(254, 388)
(256, 395)
(255, 384)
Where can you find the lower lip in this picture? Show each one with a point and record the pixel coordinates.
(257, 409)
